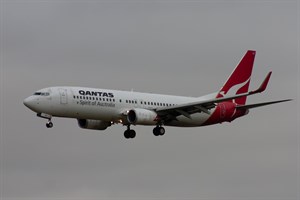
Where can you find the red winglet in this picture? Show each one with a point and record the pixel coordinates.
(263, 86)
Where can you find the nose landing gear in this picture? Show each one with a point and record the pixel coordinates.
(49, 124)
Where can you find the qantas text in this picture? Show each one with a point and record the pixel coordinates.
(95, 93)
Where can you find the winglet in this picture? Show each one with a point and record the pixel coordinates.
(263, 86)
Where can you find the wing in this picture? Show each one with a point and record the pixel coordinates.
(170, 113)
(246, 107)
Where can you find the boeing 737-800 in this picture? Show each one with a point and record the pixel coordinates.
(100, 108)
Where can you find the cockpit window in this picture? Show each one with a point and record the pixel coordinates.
(42, 93)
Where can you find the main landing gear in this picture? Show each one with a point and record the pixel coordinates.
(129, 133)
(157, 131)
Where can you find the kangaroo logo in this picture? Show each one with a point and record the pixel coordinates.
(234, 89)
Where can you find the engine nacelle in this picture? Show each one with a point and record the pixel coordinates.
(93, 124)
(142, 117)
(224, 112)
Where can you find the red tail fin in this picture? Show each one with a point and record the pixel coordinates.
(239, 80)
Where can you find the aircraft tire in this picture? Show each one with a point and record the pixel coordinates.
(129, 134)
(156, 131)
(161, 130)
(49, 124)
(132, 133)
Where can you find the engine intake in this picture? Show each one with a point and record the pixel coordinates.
(93, 124)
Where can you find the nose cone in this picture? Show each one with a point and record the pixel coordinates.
(29, 102)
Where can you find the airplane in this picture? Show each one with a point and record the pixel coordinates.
(98, 109)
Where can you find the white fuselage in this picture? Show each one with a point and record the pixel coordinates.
(107, 105)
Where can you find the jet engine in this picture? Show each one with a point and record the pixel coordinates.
(93, 124)
(142, 117)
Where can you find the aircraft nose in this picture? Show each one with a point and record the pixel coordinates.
(29, 102)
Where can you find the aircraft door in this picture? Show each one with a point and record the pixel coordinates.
(63, 96)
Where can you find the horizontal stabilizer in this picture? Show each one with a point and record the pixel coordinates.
(263, 86)
(245, 107)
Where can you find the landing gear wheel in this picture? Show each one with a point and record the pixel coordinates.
(157, 131)
(132, 134)
(161, 130)
(129, 134)
(49, 124)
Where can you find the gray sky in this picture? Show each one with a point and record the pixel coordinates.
(173, 47)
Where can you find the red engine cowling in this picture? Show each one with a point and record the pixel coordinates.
(224, 112)
(142, 117)
(93, 124)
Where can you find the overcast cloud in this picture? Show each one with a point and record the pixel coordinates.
(174, 47)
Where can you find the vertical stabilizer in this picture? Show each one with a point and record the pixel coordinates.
(239, 80)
